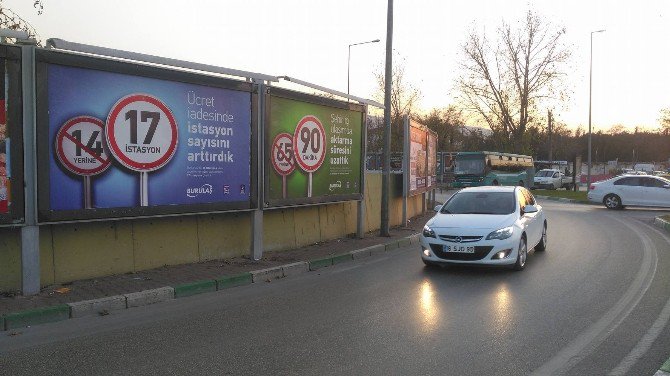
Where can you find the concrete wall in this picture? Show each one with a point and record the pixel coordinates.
(86, 250)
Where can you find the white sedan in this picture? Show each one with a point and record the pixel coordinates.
(638, 190)
(485, 226)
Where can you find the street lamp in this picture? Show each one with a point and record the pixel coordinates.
(349, 58)
(588, 176)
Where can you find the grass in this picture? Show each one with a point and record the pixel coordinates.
(580, 195)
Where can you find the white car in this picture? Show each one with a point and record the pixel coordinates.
(485, 226)
(638, 190)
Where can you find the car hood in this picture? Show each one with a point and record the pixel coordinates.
(472, 221)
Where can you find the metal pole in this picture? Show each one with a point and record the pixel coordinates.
(405, 169)
(30, 233)
(386, 174)
(588, 176)
(549, 125)
(360, 220)
(348, 69)
(256, 249)
(144, 188)
(88, 194)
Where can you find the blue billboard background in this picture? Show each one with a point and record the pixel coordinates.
(76, 91)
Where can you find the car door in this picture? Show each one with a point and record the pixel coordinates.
(537, 219)
(528, 220)
(657, 192)
(628, 189)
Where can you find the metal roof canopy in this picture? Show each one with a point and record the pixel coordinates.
(331, 91)
(104, 51)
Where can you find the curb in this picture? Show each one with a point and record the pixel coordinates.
(662, 223)
(36, 316)
(103, 306)
(568, 200)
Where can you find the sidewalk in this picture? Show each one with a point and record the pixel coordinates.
(183, 274)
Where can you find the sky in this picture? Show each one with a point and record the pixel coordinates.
(309, 40)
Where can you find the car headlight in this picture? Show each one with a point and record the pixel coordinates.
(428, 232)
(501, 234)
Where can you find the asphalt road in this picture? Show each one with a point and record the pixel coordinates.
(596, 302)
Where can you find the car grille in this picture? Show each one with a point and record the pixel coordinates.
(480, 253)
(460, 239)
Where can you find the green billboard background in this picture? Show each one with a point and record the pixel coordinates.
(340, 173)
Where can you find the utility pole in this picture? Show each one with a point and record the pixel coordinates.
(384, 229)
(549, 125)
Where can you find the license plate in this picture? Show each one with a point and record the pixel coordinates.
(459, 249)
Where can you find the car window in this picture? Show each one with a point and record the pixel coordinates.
(555, 174)
(480, 203)
(651, 182)
(629, 180)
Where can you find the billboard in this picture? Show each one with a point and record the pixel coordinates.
(422, 158)
(314, 149)
(11, 137)
(118, 139)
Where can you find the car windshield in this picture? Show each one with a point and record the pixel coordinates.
(469, 166)
(544, 173)
(480, 203)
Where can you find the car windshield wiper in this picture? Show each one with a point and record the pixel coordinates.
(445, 211)
(476, 213)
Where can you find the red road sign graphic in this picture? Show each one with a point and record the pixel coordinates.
(282, 155)
(80, 146)
(309, 143)
(141, 132)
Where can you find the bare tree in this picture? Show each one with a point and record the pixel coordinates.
(404, 100)
(664, 120)
(506, 82)
(12, 21)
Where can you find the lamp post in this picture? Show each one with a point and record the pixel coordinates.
(349, 58)
(588, 176)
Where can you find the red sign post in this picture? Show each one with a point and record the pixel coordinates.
(309, 146)
(282, 157)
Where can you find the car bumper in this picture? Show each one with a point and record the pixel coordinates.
(485, 250)
(594, 197)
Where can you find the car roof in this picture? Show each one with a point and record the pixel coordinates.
(489, 188)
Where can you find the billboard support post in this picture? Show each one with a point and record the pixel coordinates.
(88, 197)
(256, 251)
(30, 233)
(360, 218)
(405, 169)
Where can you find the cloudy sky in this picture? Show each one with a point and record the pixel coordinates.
(309, 40)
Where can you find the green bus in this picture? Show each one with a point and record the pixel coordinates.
(472, 169)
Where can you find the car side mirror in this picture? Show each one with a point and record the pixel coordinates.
(529, 209)
(437, 208)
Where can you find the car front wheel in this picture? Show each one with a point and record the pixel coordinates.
(542, 245)
(612, 201)
(521, 255)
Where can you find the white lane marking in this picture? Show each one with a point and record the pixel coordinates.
(645, 343)
(588, 340)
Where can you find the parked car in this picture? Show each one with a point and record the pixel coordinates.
(638, 190)
(494, 226)
(552, 179)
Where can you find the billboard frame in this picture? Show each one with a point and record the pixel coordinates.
(43, 58)
(271, 92)
(13, 57)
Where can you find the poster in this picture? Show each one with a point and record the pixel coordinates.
(5, 166)
(432, 160)
(124, 141)
(418, 162)
(313, 151)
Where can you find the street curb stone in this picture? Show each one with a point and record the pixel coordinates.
(146, 297)
(234, 281)
(320, 263)
(295, 268)
(194, 288)
(360, 253)
(266, 275)
(37, 316)
(666, 366)
(404, 242)
(375, 249)
(342, 258)
(97, 306)
(662, 223)
(2, 322)
(390, 246)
